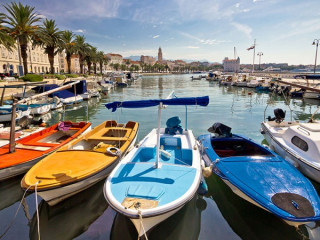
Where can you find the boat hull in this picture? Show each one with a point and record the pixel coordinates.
(150, 222)
(9, 172)
(56, 195)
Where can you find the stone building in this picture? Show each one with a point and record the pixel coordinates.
(147, 60)
(114, 58)
(231, 65)
(38, 61)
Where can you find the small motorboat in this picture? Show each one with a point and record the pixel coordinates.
(82, 162)
(158, 178)
(260, 176)
(6, 112)
(296, 142)
(29, 150)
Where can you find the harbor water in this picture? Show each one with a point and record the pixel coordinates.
(220, 214)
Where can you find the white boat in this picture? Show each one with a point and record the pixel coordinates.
(158, 178)
(5, 112)
(296, 142)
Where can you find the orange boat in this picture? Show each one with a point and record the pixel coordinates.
(31, 149)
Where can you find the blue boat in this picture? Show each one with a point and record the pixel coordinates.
(260, 176)
(159, 177)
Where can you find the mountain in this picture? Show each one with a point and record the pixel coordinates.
(134, 58)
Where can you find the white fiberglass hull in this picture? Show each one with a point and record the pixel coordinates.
(311, 95)
(143, 226)
(16, 170)
(303, 165)
(40, 110)
(72, 100)
(19, 114)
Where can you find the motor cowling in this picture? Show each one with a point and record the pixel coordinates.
(220, 130)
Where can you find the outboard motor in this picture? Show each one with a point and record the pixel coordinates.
(220, 130)
(279, 115)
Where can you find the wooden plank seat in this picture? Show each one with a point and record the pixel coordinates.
(30, 147)
(40, 144)
(103, 135)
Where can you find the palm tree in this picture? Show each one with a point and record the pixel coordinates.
(21, 20)
(94, 58)
(82, 49)
(68, 46)
(5, 39)
(50, 38)
(101, 59)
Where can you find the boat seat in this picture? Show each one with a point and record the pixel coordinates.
(30, 147)
(103, 136)
(40, 144)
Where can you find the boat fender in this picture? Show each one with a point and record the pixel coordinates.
(207, 171)
(114, 151)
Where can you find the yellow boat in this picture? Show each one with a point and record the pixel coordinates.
(82, 162)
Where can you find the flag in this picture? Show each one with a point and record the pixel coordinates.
(252, 47)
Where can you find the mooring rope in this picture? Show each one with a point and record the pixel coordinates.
(20, 204)
(141, 225)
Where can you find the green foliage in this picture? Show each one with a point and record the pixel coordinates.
(32, 78)
(71, 75)
(60, 77)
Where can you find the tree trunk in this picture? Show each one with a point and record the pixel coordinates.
(95, 68)
(23, 48)
(89, 67)
(50, 51)
(69, 63)
(101, 65)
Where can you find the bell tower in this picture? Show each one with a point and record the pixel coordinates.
(159, 55)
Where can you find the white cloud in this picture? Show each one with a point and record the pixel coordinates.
(192, 47)
(202, 41)
(156, 36)
(237, 5)
(243, 28)
(80, 31)
(138, 52)
(41, 16)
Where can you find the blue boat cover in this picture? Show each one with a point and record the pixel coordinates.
(81, 87)
(59, 94)
(201, 101)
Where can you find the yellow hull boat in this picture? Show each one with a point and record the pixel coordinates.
(82, 162)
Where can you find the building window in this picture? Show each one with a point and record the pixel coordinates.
(39, 69)
(10, 55)
(43, 69)
(41, 57)
(37, 57)
(35, 69)
(303, 145)
(33, 57)
(3, 54)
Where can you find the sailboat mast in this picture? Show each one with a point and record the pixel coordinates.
(157, 165)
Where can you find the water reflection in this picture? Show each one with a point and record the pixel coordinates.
(10, 191)
(71, 217)
(185, 224)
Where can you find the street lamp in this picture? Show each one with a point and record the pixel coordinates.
(315, 42)
(259, 54)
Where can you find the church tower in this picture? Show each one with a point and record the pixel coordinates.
(160, 55)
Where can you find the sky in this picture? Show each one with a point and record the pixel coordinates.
(192, 29)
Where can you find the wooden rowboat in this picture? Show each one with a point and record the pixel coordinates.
(31, 149)
(82, 162)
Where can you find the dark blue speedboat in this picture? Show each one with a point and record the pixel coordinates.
(260, 176)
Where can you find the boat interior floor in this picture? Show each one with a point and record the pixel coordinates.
(237, 147)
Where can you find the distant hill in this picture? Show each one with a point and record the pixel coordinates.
(134, 58)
